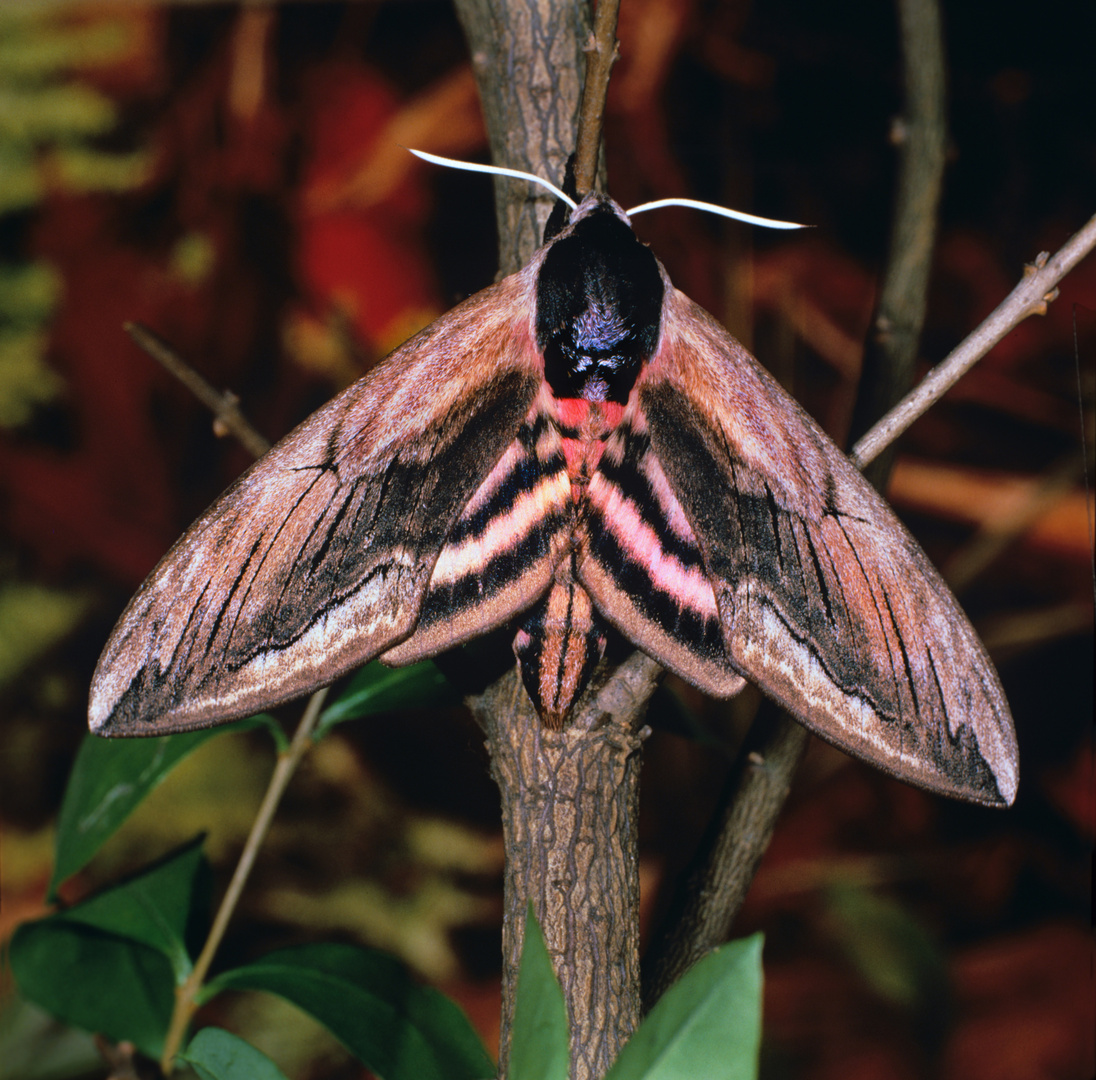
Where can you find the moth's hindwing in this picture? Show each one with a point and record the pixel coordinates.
(319, 557)
(825, 600)
(639, 560)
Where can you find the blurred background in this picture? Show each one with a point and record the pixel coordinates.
(232, 177)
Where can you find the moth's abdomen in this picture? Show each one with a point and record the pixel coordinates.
(584, 426)
(639, 559)
(558, 646)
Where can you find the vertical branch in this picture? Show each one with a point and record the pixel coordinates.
(570, 815)
(601, 55)
(890, 353)
(570, 798)
(528, 60)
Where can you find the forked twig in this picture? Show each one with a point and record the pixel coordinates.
(186, 995)
(226, 411)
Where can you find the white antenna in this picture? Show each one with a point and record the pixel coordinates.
(711, 208)
(695, 204)
(494, 170)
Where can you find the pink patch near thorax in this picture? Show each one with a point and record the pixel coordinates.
(585, 425)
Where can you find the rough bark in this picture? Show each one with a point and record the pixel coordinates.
(528, 60)
(570, 812)
(570, 798)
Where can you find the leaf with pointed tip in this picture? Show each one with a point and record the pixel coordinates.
(111, 777)
(377, 689)
(539, 1043)
(708, 1024)
(153, 908)
(95, 981)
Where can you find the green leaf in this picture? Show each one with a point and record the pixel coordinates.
(36, 44)
(95, 981)
(378, 689)
(216, 1054)
(539, 1043)
(64, 110)
(110, 778)
(33, 618)
(82, 168)
(29, 293)
(707, 1025)
(366, 999)
(22, 184)
(153, 908)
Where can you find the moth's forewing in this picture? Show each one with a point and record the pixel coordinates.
(825, 600)
(318, 558)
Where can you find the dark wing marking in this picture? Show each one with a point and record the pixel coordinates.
(503, 550)
(639, 560)
(318, 558)
(826, 601)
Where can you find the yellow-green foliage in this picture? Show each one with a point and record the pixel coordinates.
(50, 117)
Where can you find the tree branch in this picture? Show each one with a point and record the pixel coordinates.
(527, 56)
(1030, 297)
(227, 418)
(600, 56)
(570, 816)
(569, 798)
(890, 352)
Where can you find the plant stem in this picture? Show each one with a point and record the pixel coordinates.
(890, 351)
(601, 54)
(527, 56)
(570, 802)
(225, 407)
(1030, 297)
(186, 995)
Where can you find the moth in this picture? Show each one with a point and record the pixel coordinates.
(575, 447)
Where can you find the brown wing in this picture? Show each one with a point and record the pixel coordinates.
(319, 557)
(826, 601)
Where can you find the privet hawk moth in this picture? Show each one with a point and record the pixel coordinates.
(575, 446)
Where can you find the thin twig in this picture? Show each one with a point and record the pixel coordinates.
(601, 54)
(714, 886)
(890, 352)
(224, 406)
(186, 995)
(1030, 297)
(227, 414)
